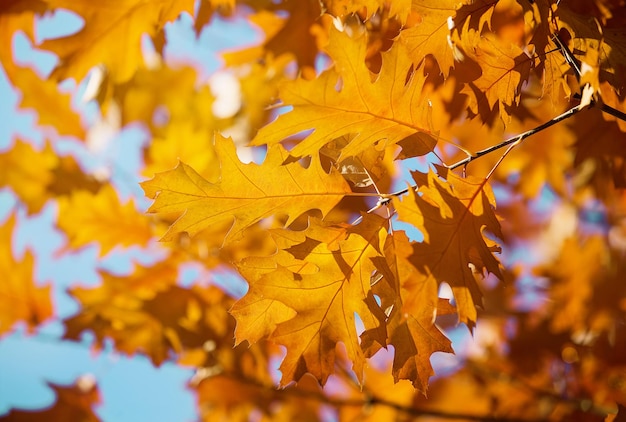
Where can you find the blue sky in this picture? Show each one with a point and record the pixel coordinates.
(132, 388)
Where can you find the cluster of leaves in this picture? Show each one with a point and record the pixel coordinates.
(347, 254)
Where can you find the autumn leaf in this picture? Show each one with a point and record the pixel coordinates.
(438, 22)
(316, 313)
(179, 99)
(295, 35)
(505, 67)
(54, 108)
(87, 216)
(341, 8)
(145, 314)
(73, 403)
(347, 273)
(207, 8)
(453, 216)
(245, 193)
(182, 141)
(411, 299)
(28, 172)
(17, 15)
(36, 176)
(345, 101)
(111, 36)
(21, 300)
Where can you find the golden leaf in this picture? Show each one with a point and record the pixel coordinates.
(345, 101)
(245, 193)
(21, 300)
(86, 217)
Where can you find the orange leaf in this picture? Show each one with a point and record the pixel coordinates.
(28, 173)
(73, 403)
(504, 67)
(245, 193)
(317, 310)
(111, 35)
(54, 108)
(452, 216)
(20, 299)
(433, 33)
(411, 323)
(344, 101)
(16, 15)
(86, 217)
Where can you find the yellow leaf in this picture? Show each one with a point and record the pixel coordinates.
(16, 15)
(182, 141)
(28, 173)
(146, 313)
(294, 35)
(245, 193)
(86, 217)
(317, 311)
(345, 101)
(413, 302)
(206, 10)
(111, 35)
(341, 8)
(53, 108)
(20, 299)
(504, 67)
(163, 95)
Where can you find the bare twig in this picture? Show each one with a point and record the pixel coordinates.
(514, 140)
(574, 64)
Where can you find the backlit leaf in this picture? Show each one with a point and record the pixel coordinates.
(349, 100)
(245, 193)
(453, 215)
(21, 300)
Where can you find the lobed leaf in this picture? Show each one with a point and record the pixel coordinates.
(349, 100)
(452, 216)
(245, 193)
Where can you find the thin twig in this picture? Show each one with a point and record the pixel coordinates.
(516, 139)
(574, 64)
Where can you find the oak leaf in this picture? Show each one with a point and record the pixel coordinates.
(87, 217)
(321, 306)
(28, 172)
(53, 108)
(437, 30)
(21, 300)
(145, 312)
(162, 96)
(412, 304)
(111, 36)
(38, 176)
(348, 100)
(15, 16)
(245, 193)
(73, 403)
(504, 67)
(453, 215)
(182, 141)
(295, 35)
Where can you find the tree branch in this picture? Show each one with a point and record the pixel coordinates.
(515, 139)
